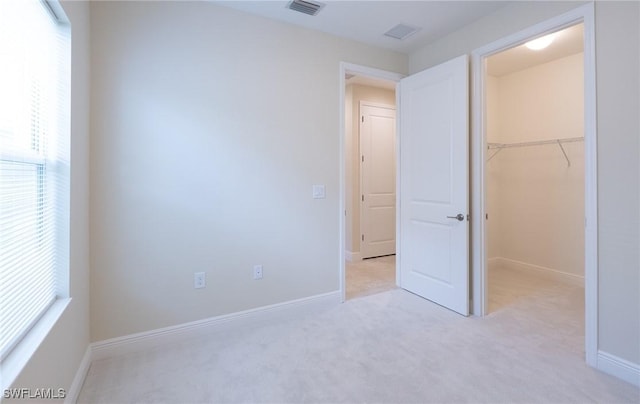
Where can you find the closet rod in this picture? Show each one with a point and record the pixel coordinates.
(535, 143)
(500, 146)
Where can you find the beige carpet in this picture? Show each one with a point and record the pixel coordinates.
(390, 347)
(370, 276)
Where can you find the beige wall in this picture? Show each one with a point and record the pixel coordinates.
(617, 47)
(210, 127)
(352, 183)
(56, 361)
(535, 200)
(618, 89)
(492, 170)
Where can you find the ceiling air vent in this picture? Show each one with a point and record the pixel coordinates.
(401, 31)
(307, 7)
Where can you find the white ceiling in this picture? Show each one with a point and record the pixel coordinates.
(566, 42)
(367, 21)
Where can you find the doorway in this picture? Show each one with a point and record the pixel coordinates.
(534, 173)
(368, 175)
(432, 185)
(483, 149)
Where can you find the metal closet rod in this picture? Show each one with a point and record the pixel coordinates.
(500, 146)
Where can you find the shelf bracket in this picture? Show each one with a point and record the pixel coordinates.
(494, 154)
(564, 153)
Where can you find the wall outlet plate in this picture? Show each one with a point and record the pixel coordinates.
(199, 280)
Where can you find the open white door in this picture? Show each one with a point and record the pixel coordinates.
(434, 184)
(378, 180)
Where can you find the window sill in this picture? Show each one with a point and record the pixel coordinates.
(18, 358)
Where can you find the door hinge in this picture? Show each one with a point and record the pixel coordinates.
(363, 237)
(486, 216)
(362, 118)
(362, 198)
(363, 158)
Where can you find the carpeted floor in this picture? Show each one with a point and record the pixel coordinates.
(370, 276)
(390, 347)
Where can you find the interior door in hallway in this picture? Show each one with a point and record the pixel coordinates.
(378, 180)
(434, 184)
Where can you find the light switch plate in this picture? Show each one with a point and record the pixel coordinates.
(257, 272)
(318, 192)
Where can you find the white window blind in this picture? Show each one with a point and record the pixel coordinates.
(34, 165)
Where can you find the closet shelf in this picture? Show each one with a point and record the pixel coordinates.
(559, 142)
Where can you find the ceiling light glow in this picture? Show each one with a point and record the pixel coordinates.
(540, 43)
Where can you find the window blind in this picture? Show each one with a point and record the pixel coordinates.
(34, 165)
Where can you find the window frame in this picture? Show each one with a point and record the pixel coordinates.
(21, 349)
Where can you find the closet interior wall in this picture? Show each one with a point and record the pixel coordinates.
(535, 199)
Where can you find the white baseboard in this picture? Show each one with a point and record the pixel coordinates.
(149, 339)
(606, 362)
(78, 380)
(352, 256)
(144, 340)
(618, 367)
(501, 262)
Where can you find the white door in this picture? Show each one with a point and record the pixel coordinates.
(434, 184)
(378, 180)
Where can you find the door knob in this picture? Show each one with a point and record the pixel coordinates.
(459, 216)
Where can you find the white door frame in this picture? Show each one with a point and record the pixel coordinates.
(584, 14)
(376, 74)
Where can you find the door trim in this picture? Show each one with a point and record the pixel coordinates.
(371, 73)
(583, 14)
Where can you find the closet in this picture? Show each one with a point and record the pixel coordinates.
(534, 168)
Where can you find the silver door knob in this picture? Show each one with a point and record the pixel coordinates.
(459, 216)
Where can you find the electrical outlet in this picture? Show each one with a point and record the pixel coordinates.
(199, 280)
(257, 272)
